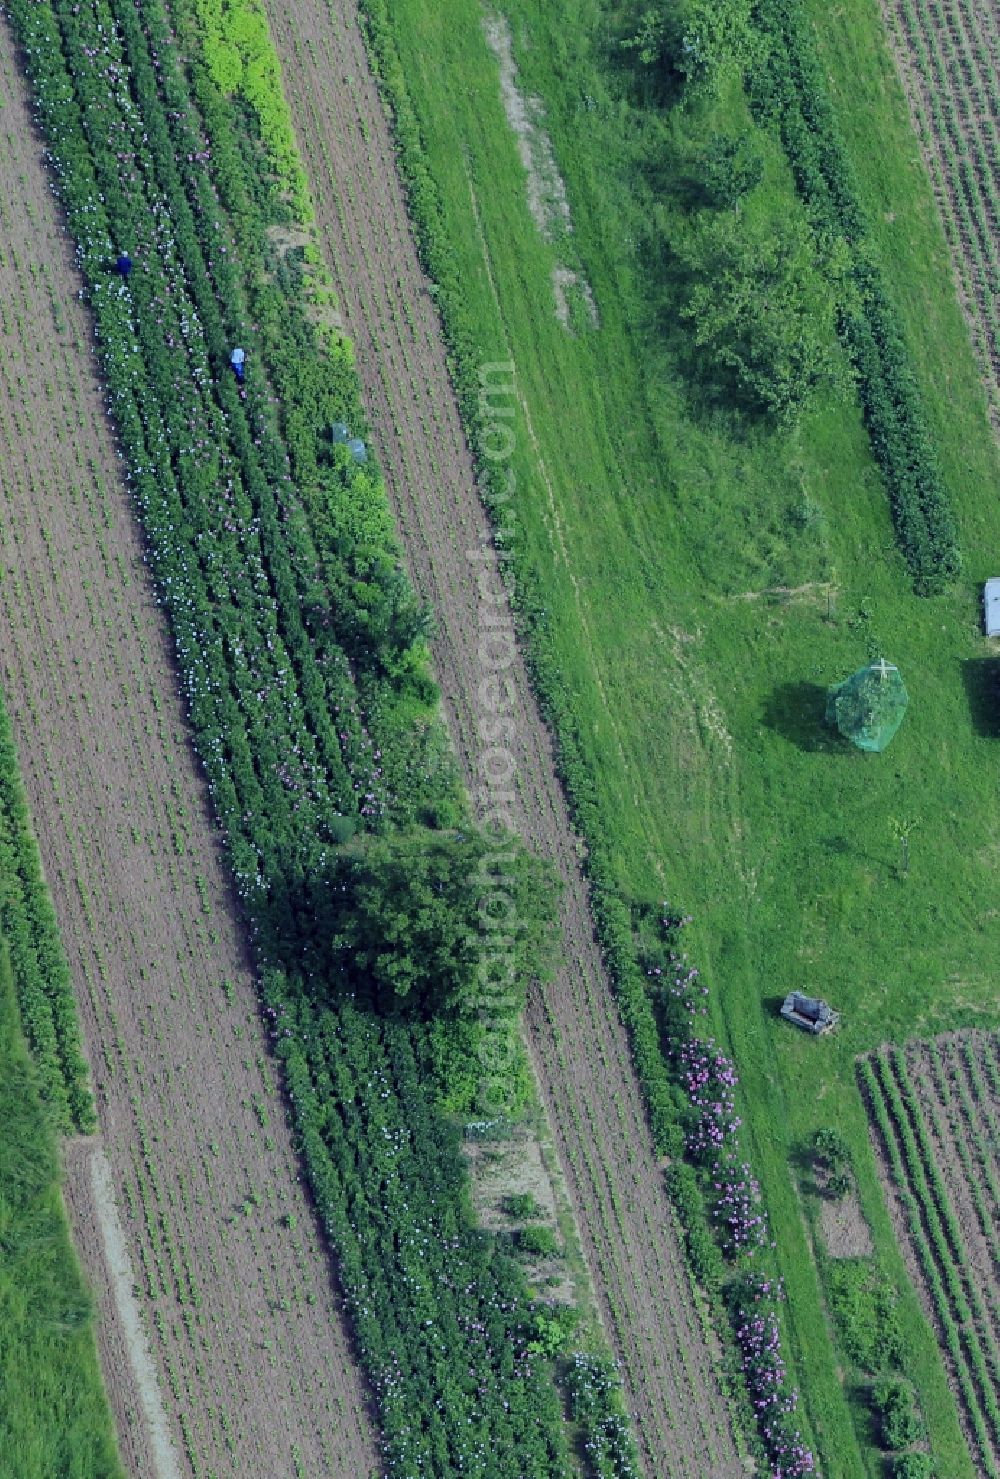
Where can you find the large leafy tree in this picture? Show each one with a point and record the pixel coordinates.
(761, 311)
(444, 921)
(696, 44)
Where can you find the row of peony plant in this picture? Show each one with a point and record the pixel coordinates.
(709, 1084)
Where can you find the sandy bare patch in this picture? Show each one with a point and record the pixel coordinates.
(547, 199)
(546, 189)
(574, 299)
(845, 1232)
(122, 1281)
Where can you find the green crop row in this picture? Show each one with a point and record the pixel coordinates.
(595, 1402)
(789, 88)
(437, 1307)
(302, 661)
(44, 988)
(939, 1256)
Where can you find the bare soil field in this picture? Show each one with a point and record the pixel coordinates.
(233, 1284)
(576, 1038)
(948, 56)
(940, 1162)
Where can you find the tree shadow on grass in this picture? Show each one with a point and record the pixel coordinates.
(981, 676)
(798, 712)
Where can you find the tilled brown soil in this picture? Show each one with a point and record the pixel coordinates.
(955, 1080)
(948, 58)
(576, 1037)
(247, 1337)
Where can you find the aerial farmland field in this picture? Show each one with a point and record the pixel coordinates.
(578, 1047)
(451, 457)
(192, 1124)
(948, 59)
(934, 1113)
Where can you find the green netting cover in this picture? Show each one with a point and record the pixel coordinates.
(868, 707)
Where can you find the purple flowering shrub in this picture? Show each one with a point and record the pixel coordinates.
(752, 1302)
(707, 1084)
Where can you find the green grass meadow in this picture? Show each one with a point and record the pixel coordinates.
(658, 529)
(54, 1418)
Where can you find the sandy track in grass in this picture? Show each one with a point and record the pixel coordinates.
(246, 1333)
(577, 1041)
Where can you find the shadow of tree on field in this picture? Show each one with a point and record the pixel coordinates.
(981, 676)
(797, 711)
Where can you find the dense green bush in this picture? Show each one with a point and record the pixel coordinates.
(762, 313)
(455, 922)
(862, 1302)
(832, 1155)
(522, 1206)
(729, 169)
(899, 1421)
(693, 44)
(538, 1242)
(913, 1466)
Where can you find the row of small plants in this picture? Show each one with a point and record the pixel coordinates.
(939, 1246)
(44, 987)
(972, 1138)
(789, 88)
(762, 1406)
(301, 656)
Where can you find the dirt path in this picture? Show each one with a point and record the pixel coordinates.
(576, 1037)
(249, 1348)
(90, 1198)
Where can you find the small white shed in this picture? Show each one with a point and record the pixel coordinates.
(991, 606)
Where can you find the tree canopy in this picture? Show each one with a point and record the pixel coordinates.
(444, 921)
(761, 310)
(694, 43)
